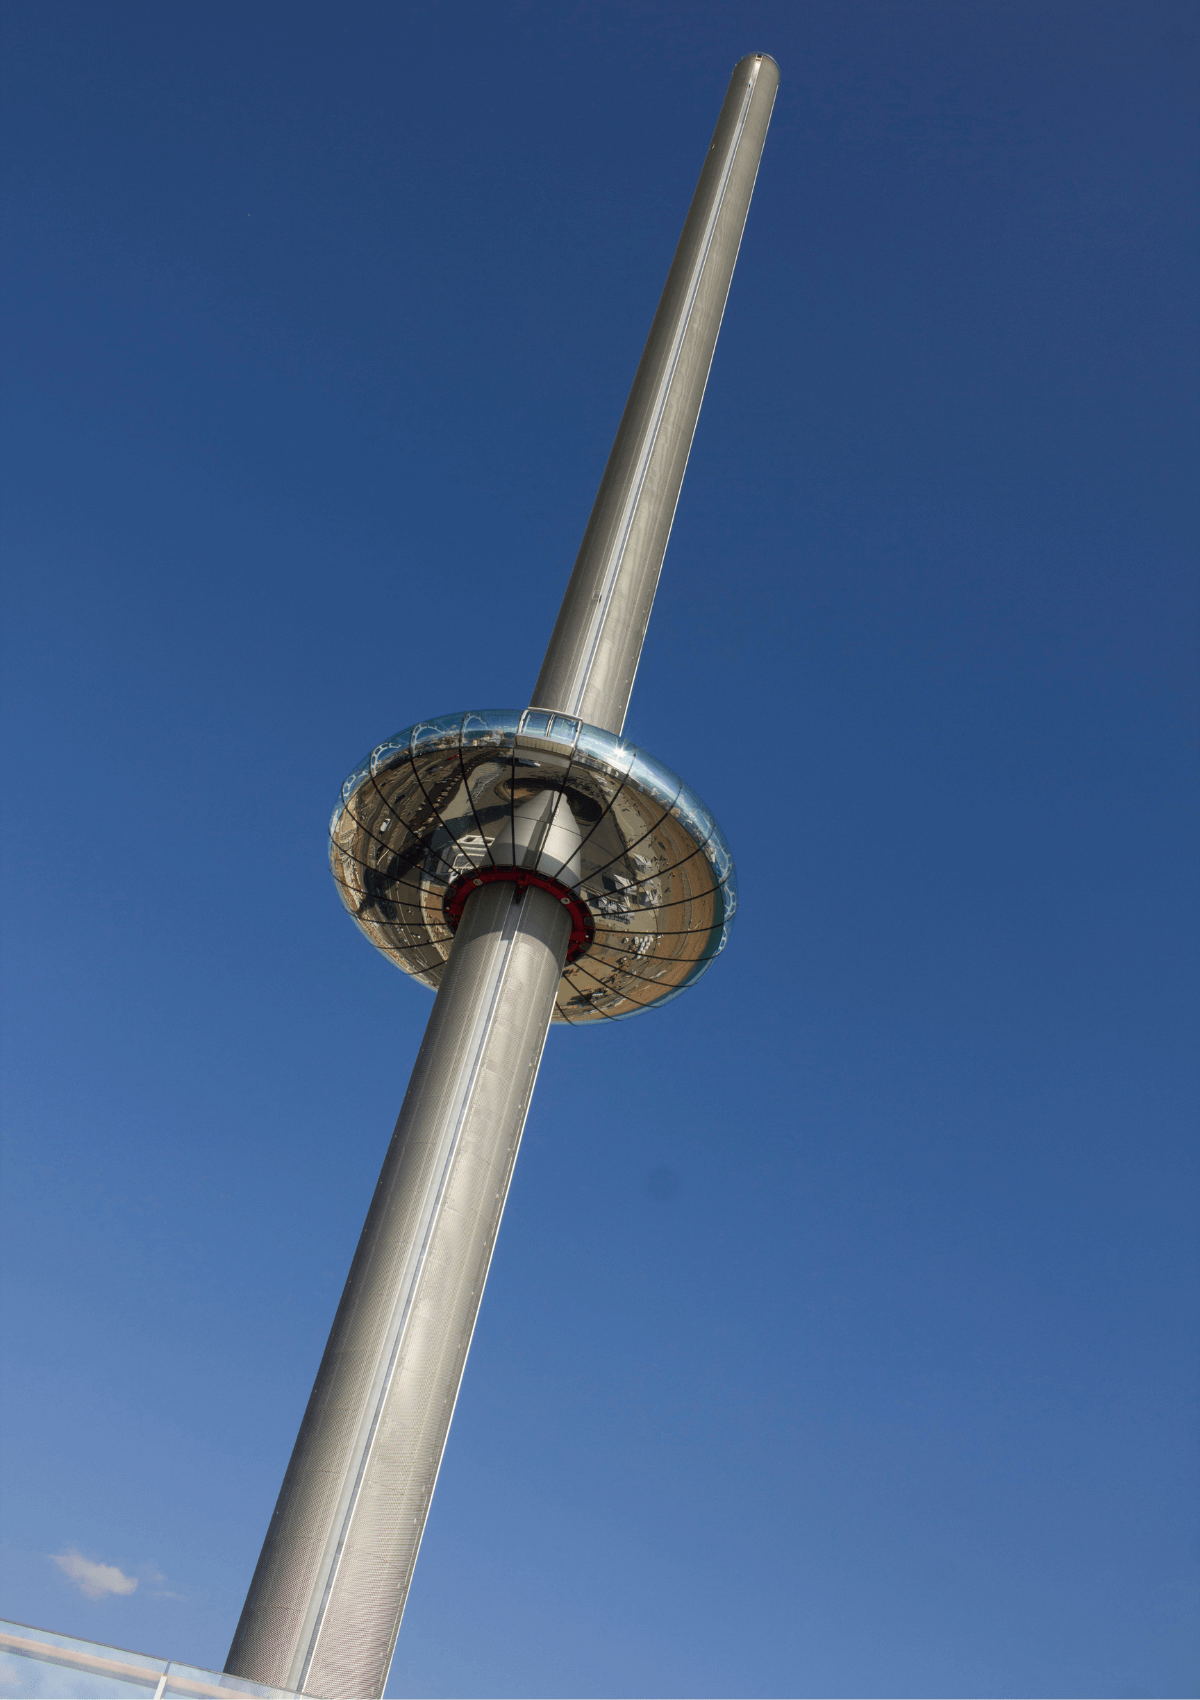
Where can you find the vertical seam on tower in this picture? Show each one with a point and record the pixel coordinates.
(503, 1196)
(508, 936)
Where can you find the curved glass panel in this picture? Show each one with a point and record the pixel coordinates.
(535, 723)
(565, 728)
(655, 779)
(434, 734)
(495, 787)
(489, 726)
(605, 749)
(361, 773)
(390, 752)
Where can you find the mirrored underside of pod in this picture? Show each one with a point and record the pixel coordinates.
(613, 828)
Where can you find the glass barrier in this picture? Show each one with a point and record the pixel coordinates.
(36, 1664)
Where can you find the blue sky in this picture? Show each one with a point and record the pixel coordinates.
(321, 319)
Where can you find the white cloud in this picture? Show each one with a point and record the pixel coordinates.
(94, 1580)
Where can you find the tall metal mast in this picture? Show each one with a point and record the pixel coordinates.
(326, 1599)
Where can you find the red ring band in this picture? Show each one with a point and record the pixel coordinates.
(583, 928)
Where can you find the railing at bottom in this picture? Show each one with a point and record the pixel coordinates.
(36, 1664)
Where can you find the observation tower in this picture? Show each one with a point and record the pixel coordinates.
(529, 866)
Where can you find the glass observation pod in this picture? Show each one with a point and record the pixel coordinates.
(536, 798)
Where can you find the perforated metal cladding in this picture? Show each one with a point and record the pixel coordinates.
(325, 1604)
(440, 800)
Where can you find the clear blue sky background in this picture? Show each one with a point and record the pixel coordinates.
(321, 319)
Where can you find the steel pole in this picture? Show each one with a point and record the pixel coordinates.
(594, 650)
(328, 1593)
(325, 1603)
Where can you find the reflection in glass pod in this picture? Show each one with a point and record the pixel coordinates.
(632, 848)
(541, 833)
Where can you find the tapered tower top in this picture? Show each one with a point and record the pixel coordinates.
(593, 655)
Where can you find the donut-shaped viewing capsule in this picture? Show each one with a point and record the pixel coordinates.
(541, 798)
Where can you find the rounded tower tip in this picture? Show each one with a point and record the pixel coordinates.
(760, 59)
